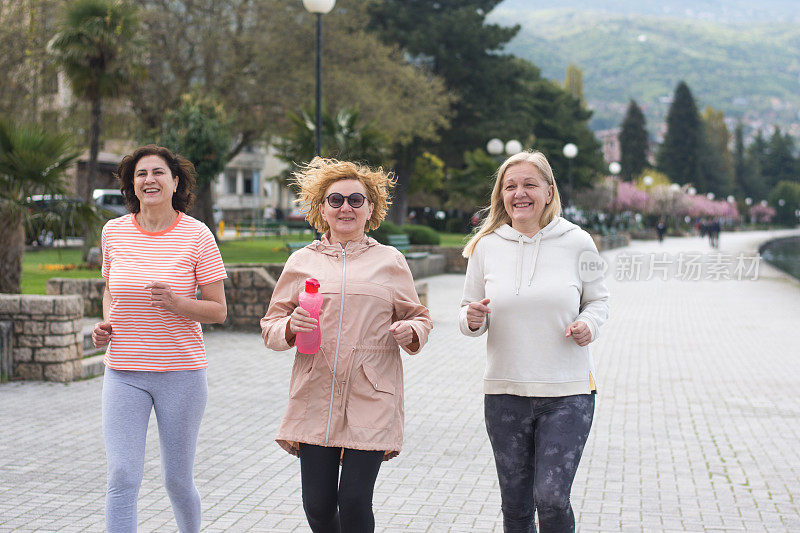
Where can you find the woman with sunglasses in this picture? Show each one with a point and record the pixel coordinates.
(346, 401)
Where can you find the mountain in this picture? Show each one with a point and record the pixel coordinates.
(751, 71)
(723, 11)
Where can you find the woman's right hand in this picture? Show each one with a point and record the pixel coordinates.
(300, 321)
(101, 334)
(476, 313)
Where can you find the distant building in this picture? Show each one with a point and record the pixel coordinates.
(612, 150)
(248, 188)
(609, 139)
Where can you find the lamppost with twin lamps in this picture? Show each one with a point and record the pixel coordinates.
(319, 8)
(496, 147)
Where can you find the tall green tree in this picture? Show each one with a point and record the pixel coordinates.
(454, 41)
(740, 170)
(497, 94)
(633, 140)
(679, 155)
(200, 131)
(716, 160)
(257, 56)
(29, 73)
(32, 160)
(573, 82)
(97, 46)
(781, 164)
(756, 158)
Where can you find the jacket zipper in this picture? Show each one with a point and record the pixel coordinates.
(338, 338)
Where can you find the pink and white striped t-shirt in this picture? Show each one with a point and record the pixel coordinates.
(183, 256)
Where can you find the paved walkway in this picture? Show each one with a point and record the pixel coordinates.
(697, 424)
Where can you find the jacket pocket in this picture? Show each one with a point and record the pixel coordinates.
(372, 402)
(300, 385)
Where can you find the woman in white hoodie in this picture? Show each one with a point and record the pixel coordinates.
(534, 283)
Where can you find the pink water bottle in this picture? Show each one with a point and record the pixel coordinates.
(311, 301)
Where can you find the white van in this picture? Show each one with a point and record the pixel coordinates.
(111, 200)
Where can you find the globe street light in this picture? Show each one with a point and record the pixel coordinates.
(710, 196)
(496, 147)
(731, 199)
(748, 201)
(570, 152)
(319, 7)
(692, 191)
(513, 147)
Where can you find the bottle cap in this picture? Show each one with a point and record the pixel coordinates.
(312, 285)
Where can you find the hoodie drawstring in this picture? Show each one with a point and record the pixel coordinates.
(520, 256)
(535, 255)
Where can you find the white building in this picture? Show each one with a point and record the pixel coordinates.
(248, 189)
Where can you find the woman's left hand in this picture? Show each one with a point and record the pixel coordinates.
(161, 295)
(403, 332)
(580, 332)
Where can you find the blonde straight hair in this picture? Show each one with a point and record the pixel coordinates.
(497, 211)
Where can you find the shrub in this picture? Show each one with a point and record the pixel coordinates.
(386, 228)
(421, 234)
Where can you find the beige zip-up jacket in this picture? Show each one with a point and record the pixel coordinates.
(350, 393)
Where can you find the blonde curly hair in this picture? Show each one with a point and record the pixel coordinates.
(314, 178)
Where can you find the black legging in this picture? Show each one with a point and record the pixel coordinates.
(537, 444)
(335, 505)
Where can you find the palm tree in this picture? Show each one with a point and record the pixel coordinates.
(343, 137)
(32, 160)
(96, 45)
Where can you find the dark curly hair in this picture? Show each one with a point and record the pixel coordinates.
(179, 166)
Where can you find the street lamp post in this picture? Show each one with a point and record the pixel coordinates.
(570, 151)
(648, 181)
(319, 8)
(615, 168)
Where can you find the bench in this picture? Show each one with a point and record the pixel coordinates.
(402, 243)
(294, 246)
(399, 241)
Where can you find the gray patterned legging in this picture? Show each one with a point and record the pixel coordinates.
(537, 444)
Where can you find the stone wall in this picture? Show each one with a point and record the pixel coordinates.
(90, 289)
(454, 262)
(247, 292)
(46, 339)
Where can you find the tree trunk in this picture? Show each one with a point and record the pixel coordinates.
(204, 206)
(88, 183)
(12, 246)
(404, 155)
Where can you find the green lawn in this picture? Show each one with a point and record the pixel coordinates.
(35, 276)
(257, 250)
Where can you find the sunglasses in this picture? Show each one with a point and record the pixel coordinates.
(355, 200)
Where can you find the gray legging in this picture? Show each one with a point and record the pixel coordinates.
(537, 444)
(179, 399)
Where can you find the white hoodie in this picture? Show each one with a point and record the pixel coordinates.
(536, 291)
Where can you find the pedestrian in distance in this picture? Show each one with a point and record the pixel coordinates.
(714, 228)
(661, 229)
(532, 285)
(345, 401)
(154, 260)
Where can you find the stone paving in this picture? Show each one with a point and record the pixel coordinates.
(696, 429)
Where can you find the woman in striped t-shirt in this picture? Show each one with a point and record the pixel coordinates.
(154, 259)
